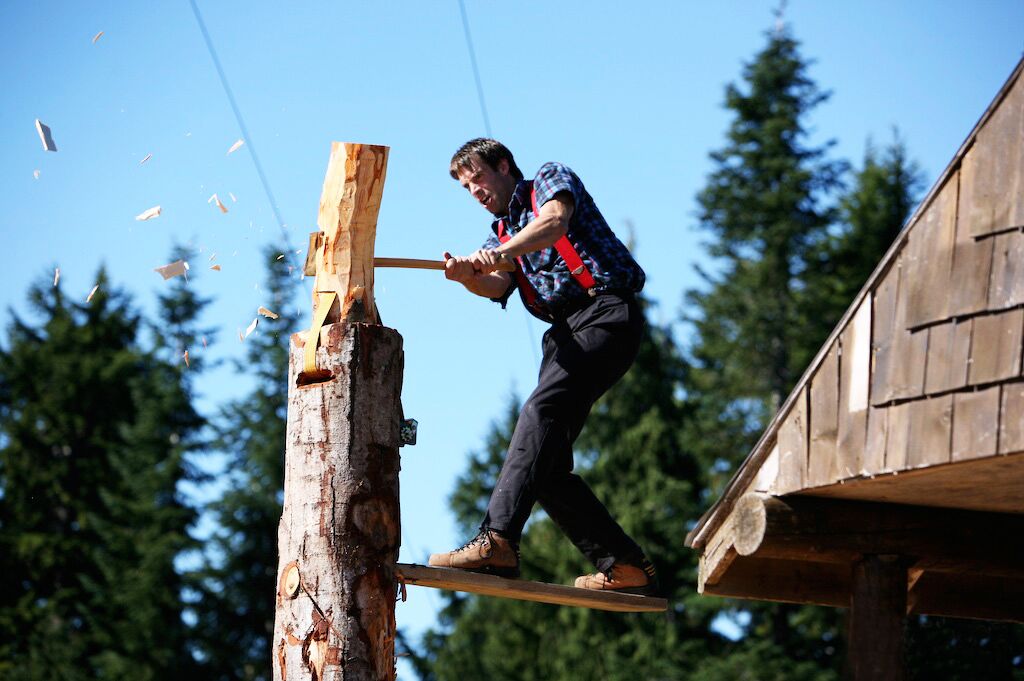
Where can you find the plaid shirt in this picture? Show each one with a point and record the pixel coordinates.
(607, 259)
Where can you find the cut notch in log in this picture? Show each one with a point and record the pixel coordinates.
(349, 205)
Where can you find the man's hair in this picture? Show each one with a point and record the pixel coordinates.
(490, 151)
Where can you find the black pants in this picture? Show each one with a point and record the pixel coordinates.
(584, 356)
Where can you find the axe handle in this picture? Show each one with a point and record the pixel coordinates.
(412, 263)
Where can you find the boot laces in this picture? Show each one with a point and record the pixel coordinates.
(482, 537)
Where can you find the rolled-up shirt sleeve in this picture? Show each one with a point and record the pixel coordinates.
(553, 178)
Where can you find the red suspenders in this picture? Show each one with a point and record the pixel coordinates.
(565, 249)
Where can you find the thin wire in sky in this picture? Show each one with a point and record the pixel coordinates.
(245, 131)
(476, 71)
(487, 129)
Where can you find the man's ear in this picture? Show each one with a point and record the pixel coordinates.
(503, 166)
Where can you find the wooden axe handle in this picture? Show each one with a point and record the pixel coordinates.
(412, 263)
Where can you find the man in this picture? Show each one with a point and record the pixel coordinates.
(573, 272)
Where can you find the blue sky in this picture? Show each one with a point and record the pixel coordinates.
(628, 95)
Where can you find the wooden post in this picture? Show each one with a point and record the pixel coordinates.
(878, 604)
(339, 534)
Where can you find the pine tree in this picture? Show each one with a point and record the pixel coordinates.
(93, 431)
(235, 611)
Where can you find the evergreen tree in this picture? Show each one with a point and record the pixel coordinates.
(235, 610)
(93, 433)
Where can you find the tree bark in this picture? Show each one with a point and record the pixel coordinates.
(339, 533)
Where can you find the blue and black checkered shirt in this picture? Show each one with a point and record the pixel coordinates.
(607, 259)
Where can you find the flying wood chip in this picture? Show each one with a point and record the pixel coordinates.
(96, 37)
(56, 275)
(215, 268)
(267, 313)
(212, 199)
(35, 174)
(252, 327)
(174, 269)
(44, 134)
(146, 158)
(236, 146)
(185, 356)
(95, 288)
(148, 214)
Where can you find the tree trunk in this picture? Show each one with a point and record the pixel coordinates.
(339, 534)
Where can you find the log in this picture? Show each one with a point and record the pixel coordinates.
(349, 206)
(878, 604)
(839, 531)
(339, 533)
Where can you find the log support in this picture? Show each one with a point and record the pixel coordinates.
(339, 534)
(878, 603)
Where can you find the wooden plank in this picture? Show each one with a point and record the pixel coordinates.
(873, 459)
(878, 605)
(896, 438)
(883, 325)
(538, 592)
(949, 353)
(995, 483)
(992, 171)
(824, 403)
(996, 347)
(930, 258)
(975, 423)
(792, 443)
(972, 265)
(768, 473)
(1011, 418)
(910, 351)
(854, 384)
(931, 422)
(1006, 284)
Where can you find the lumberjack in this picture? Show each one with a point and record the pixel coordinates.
(572, 272)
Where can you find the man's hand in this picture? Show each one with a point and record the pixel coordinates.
(488, 260)
(478, 273)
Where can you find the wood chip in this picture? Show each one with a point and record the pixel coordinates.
(214, 199)
(95, 288)
(56, 276)
(280, 257)
(215, 268)
(96, 37)
(204, 341)
(186, 358)
(236, 146)
(233, 199)
(214, 255)
(146, 158)
(45, 136)
(252, 327)
(267, 313)
(35, 174)
(174, 269)
(148, 214)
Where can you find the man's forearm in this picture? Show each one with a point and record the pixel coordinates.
(539, 234)
(491, 285)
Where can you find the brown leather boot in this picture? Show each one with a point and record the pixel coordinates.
(623, 578)
(488, 552)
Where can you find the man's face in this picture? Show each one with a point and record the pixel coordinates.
(492, 188)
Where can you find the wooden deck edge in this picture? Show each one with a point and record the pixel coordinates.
(539, 592)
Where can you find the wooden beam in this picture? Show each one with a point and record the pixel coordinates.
(975, 597)
(538, 592)
(349, 206)
(878, 604)
(784, 581)
(830, 530)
